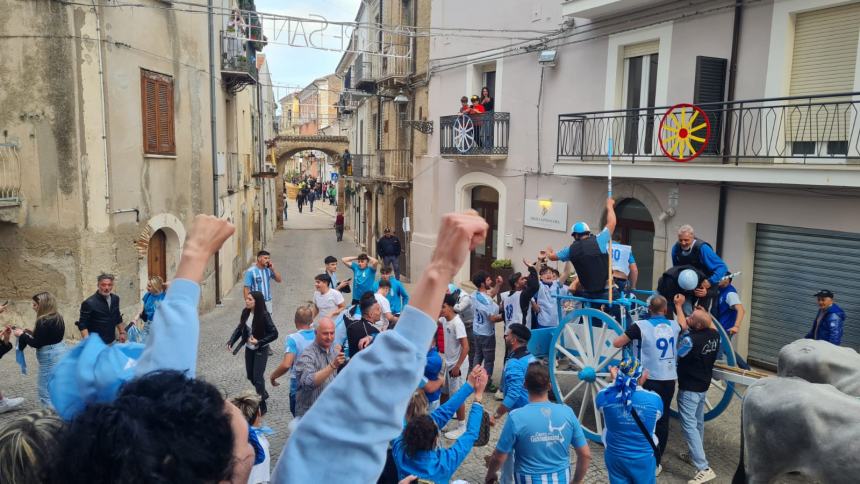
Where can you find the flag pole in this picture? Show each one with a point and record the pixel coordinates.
(609, 195)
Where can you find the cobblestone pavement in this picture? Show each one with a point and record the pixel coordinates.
(298, 253)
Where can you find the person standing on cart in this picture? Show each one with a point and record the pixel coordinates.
(589, 255)
(691, 251)
(625, 272)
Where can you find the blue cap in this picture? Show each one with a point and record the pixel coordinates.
(580, 228)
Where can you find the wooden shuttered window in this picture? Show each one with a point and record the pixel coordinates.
(710, 88)
(156, 92)
(823, 62)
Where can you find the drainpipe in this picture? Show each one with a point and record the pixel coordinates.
(261, 160)
(103, 106)
(213, 133)
(730, 96)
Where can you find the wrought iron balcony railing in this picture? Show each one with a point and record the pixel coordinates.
(238, 61)
(394, 165)
(474, 134)
(359, 166)
(821, 129)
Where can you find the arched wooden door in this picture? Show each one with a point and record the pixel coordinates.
(157, 255)
(485, 201)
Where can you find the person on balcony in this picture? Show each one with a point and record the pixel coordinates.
(488, 104)
(464, 105)
(476, 111)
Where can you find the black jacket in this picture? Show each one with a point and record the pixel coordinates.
(388, 246)
(241, 333)
(5, 348)
(97, 317)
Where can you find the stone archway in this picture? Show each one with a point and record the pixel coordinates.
(287, 146)
(171, 232)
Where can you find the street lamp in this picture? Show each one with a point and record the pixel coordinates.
(401, 98)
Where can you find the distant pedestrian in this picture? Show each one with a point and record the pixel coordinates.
(539, 434)
(255, 331)
(830, 320)
(332, 193)
(47, 338)
(338, 226)
(156, 289)
(100, 313)
(295, 345)
(388, 249)
(317, 366)
(312, 196)
(300, 199)
(286, 204)
(258, 277)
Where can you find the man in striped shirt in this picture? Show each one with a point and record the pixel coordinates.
(259, 275)
(317, 366)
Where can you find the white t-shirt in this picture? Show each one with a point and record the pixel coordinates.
(250, 324)
(454, 330)
(260, 473)
(328, 302)
(384, 307)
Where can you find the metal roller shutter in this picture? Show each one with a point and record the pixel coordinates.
(792, 264)
(644, 48)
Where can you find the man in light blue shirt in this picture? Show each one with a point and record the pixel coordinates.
(397, 296)
(293, 347)
(364, 274)
(540, 434)
(484, 324)
(258, 277)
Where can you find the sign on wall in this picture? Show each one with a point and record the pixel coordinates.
(546, 215)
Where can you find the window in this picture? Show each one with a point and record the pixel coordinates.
(640, 90)
(156, 92)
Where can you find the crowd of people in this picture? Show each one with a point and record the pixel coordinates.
(310, 190)
(379, 375)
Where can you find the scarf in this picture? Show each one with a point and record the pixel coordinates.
(626, 382)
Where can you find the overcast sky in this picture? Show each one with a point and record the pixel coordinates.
(298, 65)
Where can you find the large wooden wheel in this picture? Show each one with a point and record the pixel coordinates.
(464, 133)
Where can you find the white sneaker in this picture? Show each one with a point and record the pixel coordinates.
(499, 395)
(704, 475)
(456, 433)
(658, 470)
(9, 404)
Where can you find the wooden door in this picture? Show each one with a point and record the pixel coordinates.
(157, 255)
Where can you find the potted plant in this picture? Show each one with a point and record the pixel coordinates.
(504, 268)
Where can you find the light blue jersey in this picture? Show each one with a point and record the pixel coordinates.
(259, 280)
(622, 257)
(484, 309)
(540, 435)
(362, 280)
(296, 343)
(547, 299)
(621, 435)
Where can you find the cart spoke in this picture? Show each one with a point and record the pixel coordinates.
(719, 384)
(608, 359)
(569, 355)
(708, 404)
(570, 333)
(597, 419)
(582, 405)
(575, 388)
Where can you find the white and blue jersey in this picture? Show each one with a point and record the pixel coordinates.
(622, 257)
(547, 299)
(602, 242)
(540, 435)
(362, 280)
(484, 308)
(657, 346)
(257, 279)
(296, 343)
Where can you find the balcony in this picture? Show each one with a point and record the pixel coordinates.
(592, 9)
(394, 166)
(10, 175)
(238, 62)
(364, 73)
(397, 52)
(812, 133)
(359, 166)
(478, 135)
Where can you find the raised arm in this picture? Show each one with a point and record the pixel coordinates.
(610, 215)
(347, 261)
(379, 381)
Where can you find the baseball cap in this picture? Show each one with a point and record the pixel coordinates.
(824, 293)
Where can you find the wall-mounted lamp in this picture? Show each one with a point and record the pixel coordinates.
(545, 203)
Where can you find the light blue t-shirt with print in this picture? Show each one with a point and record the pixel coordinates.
(296, 343)
(362, 280)
(484, 308)
(602, 242)
(540, 435)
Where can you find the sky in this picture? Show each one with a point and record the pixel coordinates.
(301, 65)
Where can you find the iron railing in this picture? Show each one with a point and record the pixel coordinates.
(10, 174)
(394, 165)
(474, 134)
(821, 129)
(364, 72)
(237, 56)
(359, 165)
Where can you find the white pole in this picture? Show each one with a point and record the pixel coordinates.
(609, 192)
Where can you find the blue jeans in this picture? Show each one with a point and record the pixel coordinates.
(48, 357)
(691, 406)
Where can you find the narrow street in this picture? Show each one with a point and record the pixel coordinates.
(298, 253)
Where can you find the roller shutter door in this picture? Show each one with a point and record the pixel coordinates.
(792, 264)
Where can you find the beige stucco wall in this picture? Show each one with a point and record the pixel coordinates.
(66, 231)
